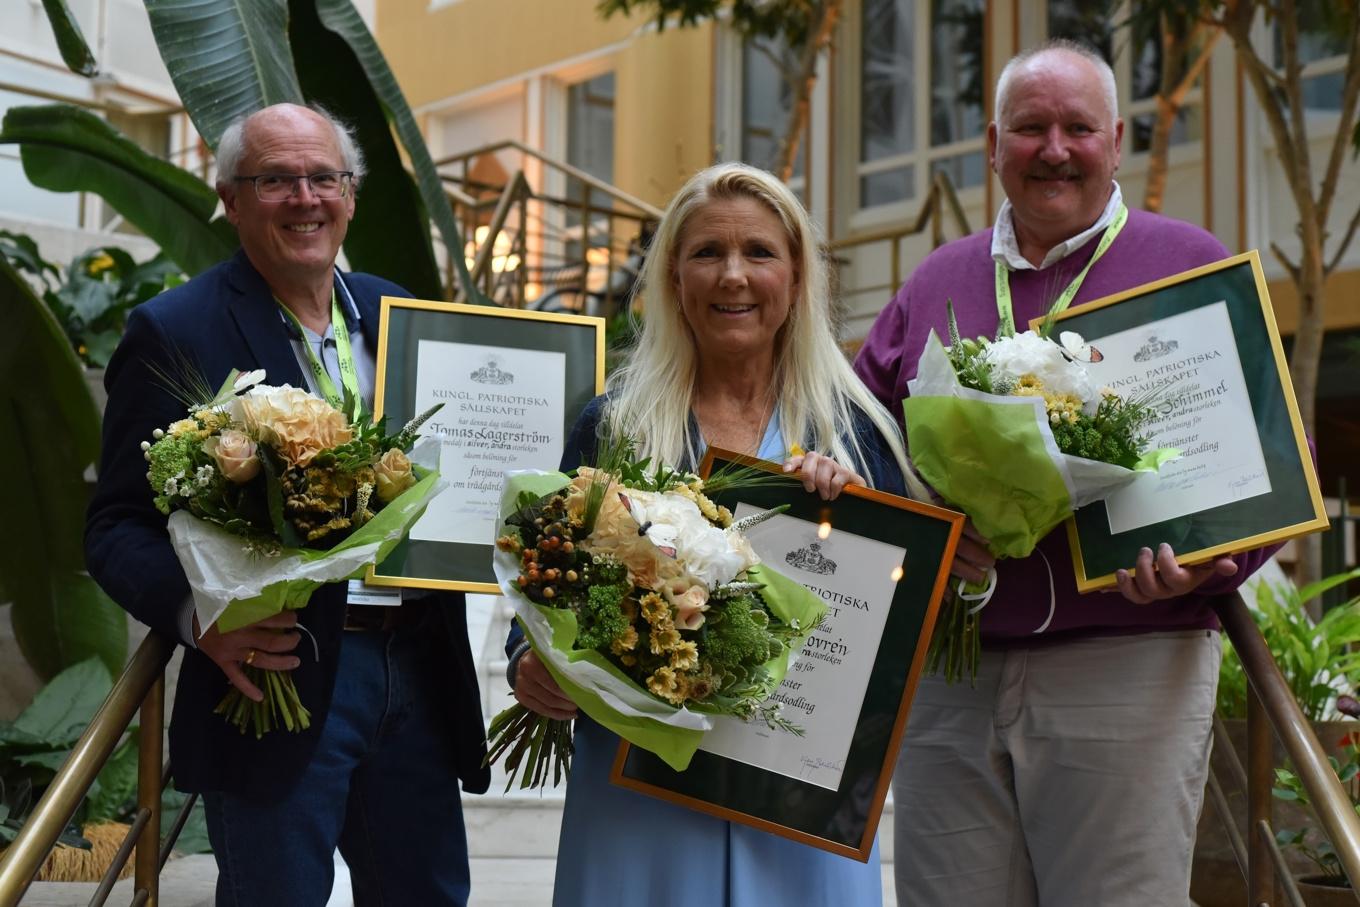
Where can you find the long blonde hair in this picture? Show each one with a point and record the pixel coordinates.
(651, 396)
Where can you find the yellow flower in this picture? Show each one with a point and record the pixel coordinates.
(665, 684)
(625, 642)
(654, 608)
(684, 656)
(664, 639)
(100, 263)
(184, 427)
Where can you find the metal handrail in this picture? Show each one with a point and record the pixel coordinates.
(1270, 700)
(593, 182)
(942, 197)
(140, 687)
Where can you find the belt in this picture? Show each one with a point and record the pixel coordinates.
(379, 618)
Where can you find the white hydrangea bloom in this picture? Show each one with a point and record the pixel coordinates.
(1030, 354)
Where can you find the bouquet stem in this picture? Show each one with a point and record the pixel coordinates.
(516, 733)
(956, 644)
(281, 705)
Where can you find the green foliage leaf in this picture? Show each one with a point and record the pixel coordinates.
(65, 149)
(70, 39)
(75, 622)
(376, 79)
(51, 429)
(63, 708)
(115, 785)
(193, 838)
(390, 232)
(226, 58)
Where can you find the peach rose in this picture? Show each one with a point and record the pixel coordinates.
(393, 474)
(235, 455)
(690, 601)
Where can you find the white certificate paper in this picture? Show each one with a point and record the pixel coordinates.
(824, 689)
(503, 410)
(1190, 361)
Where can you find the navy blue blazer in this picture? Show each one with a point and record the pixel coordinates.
(223, 319)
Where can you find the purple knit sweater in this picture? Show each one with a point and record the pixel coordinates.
(1149, 247)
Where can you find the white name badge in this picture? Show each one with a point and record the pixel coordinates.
(360, 593)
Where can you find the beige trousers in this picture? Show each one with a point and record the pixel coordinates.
(1072, 775)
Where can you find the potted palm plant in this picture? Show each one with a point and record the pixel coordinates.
(1318, 663)
(1328, 885)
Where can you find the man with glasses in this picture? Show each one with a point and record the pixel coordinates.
(390, 682)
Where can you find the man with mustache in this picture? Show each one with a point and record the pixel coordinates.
(1073, 771)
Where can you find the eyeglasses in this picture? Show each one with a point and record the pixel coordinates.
(278, 187)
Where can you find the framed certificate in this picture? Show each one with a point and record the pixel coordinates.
(513, 383)
(1205, 347)
(881, 564)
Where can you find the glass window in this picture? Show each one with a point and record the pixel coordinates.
(942, 40)
(887, 103)
(767, 103)
(590, 145)
(1322, 36)
(1089, 22)
(955, 71)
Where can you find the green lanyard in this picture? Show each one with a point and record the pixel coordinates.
(349, 376)
(1006, 314)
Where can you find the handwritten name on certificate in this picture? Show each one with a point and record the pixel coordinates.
(503, 410)
(824, 689)
(1190, 362)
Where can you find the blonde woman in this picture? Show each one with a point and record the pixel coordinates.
(736, 351)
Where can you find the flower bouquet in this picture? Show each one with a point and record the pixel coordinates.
(646, 604)
(1013, 432)
(272, 492)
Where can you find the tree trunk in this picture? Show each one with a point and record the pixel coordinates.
(1304, 362)
(825, 16)
(1171, 98)
(1158, 154)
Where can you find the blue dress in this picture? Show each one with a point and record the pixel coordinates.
(620, 847)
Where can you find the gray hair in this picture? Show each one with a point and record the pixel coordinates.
(1064, 45)
(231, 147)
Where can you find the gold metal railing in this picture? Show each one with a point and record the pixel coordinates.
(533, 228)
(942, 199)
(141, 687)
(1271, 706)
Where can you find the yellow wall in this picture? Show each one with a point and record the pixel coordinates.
(1342, 302)
(663, 111)
(445, 52)
(663, 108)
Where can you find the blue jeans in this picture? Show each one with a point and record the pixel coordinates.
(380, 786)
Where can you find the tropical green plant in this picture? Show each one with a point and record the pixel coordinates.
(92, 299)
(1317, 658)
(35, 745)
(51, 431)
(1289, 788)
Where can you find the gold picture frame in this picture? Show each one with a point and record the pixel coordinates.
(1273, 495)
(570, 345)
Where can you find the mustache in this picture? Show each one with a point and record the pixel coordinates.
(1065, 171)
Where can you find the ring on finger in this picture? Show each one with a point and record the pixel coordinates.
(250, 657)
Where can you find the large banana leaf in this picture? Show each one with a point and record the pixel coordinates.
(225, 57)
(390, 234)
(341, 18)
(66, 149)
(51, 431)
(70, 40)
